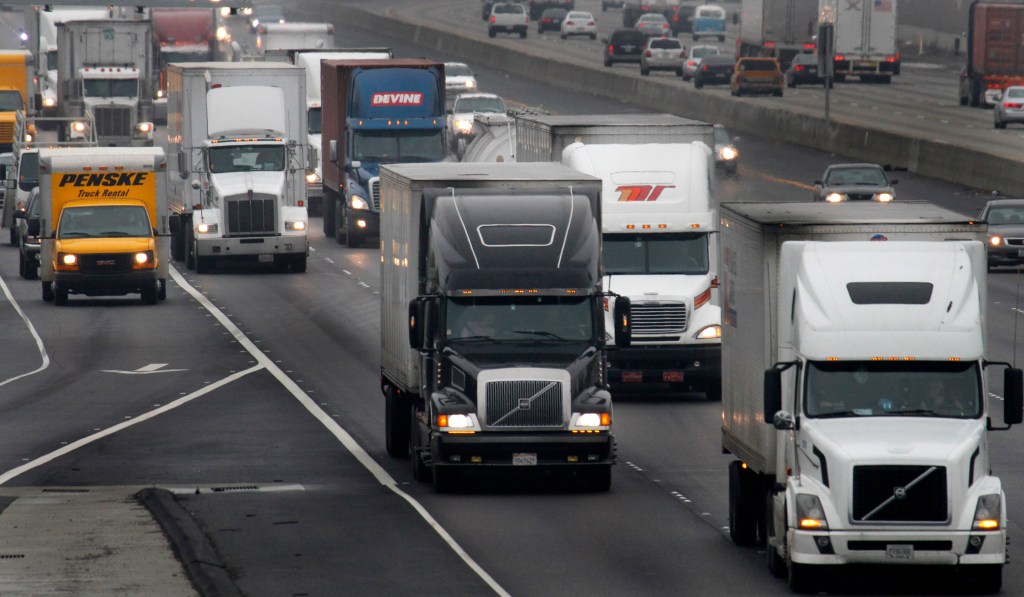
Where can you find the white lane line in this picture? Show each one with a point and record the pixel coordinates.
(342, 436)
(32, 330)
(14, 472)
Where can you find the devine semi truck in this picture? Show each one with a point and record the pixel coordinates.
(103, 222)
(375, 112)
(238, 159)
(777, 28)
(492, 323)
(856, 390)
(660, 250)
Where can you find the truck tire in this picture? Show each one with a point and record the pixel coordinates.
(444, 478)
(60, 296)
(151, 294)
(397, 422)
(742, 511)
(776, 563)
(803, 578)
(299, 264)
(982, 578)
(203, 264)
(48, 291)
(340, 228)
(13, 240)
(330, 204)
(353, 237)
(421, 471)
(162, 292)
(190, 247)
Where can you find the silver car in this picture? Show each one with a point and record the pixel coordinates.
(579, 23)
(662, 53)
(854, 182)
(693, 60)
(1009, 108)
(1005, 219)
(653, 24)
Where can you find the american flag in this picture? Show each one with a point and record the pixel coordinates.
(883, 5)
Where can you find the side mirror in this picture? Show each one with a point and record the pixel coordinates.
(356, 164)
(772, 393)
(312, 161)
(333, 150)
(183, 165)
(417, 319)
(623, 323)
(1013, 396)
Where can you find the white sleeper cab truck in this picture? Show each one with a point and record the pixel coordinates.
(660, 250)
(856, 393)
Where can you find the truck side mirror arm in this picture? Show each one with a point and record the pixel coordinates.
(1013, 396)
(773, 391)
(623, 321)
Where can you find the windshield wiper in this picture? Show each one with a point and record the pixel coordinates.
(859, 412)
(540, 333)
(473, 339)
(117, 233)
(75, 235)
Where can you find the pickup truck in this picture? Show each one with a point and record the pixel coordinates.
(508, 17)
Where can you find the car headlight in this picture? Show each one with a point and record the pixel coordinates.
(297, 226)
(49, 102)
(312, 178)
(884, 197)
(457, 422)
(809, 513)
(709, 333)
(995, 240)
(728, 153)
(470, 84)
(988, 513)
(206, 228)
(464, 126)
(834, 198)
(358, 202)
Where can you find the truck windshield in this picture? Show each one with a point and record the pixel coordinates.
(247, 158)
(313, 122)
(111, 87)
(408, 146)
(893, 388)
(638, 254)
(10, 101)
(28, 170)
(99, 221)
(550, 318)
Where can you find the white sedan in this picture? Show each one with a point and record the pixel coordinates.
(578, 22)
(697, 53)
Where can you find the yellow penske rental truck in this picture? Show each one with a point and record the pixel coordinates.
(17, 93)
(103, 222)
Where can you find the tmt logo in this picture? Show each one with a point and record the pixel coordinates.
(641, 192)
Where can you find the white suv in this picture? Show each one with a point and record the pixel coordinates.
(508, 17)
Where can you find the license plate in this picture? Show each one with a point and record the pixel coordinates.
(524, 459)
(672, 376)
(1020, 252)
(632, 377)
(899, 552)
(867, 65)
(266, 258)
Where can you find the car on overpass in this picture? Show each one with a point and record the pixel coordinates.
(1010, 107)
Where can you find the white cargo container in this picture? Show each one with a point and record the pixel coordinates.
(854, 391)
(865, 39)
(237, 149)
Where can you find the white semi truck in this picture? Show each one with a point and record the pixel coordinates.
(238, 157)
(105, 67)
(855, 394)
(310, 61)
(660, 250)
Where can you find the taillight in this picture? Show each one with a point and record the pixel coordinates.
(675, 19)
(664, 25)
(1013, 105)
(839, 58)
(800, 67)
(611, 49)
(591, 24)
(704, 68)
(545, 20)
(690, 63)
(648, 53)
(492, 18)
(891, 58)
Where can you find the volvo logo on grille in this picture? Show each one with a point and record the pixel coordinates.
(900, 493)
(104, 262)
(524, 404)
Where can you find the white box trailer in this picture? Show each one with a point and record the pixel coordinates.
(850, 331)
(865, 39)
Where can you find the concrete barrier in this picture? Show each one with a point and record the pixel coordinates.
(935, 159)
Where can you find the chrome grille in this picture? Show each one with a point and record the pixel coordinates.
(375, 194)
(887, 494)
(524, 403)
(658, 320)
(251, 215)
(113, 121)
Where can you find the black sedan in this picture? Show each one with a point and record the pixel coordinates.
(714, 70)
(551, 20)
(804, 71)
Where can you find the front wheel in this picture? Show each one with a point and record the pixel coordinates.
(48, 291)
(742, 516)
(803, 578)
(982, 578)
(60, 296)
(151, 294)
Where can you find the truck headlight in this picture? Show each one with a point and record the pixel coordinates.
(68, 259)
(358, 202)
(144, 260)
(78, 126)
(590, 421)
(470, 84)
(464, 126)
(205, 228)
(710, 332)
(834, 198)
(728, 154)
(988, 512)
(312, 178)
(995, 240)
(297, 225)
(160, 93)
(809, 513)
(28, 137)
(144, 128)
(49, 102)
(884, 197)
(222, 33)
(457, 422)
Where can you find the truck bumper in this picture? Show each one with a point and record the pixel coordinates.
(254, 245)
(899, 548)
(106, 284)
(546, 449)
(370, 221)
(695, 365)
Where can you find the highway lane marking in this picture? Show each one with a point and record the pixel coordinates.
(32, 329)
(146, 370)
(776, 179)
(382, 476)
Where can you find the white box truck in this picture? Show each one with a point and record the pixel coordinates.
(310, 60)
(492, 324)
(865, 39)
(855, 396)
(238, 157)
(105, 67)
(660, 250)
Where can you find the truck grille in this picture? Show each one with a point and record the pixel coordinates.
(113, 121)
(658, 320)
(375, 194)
(899, 494)
(255, 215)
(105, 263)
(6, 132)
(524, 403)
